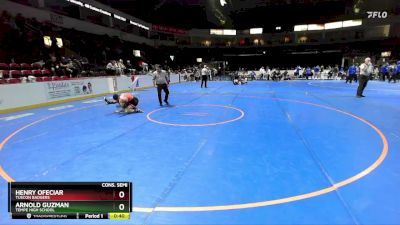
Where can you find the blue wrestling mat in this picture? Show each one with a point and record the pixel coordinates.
(296, 152)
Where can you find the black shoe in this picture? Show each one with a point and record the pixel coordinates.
(106, 100)
(362, 96)
(166, 102)
(358, 96)
(161, 104)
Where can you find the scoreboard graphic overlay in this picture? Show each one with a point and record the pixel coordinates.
(70, 200)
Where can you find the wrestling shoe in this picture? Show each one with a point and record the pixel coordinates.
(107, 101)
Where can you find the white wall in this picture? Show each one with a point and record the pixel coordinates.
(25, 94)
(144, 81)
(17, 95)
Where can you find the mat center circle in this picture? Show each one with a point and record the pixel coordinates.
(196, 115)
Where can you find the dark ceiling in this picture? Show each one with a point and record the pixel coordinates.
(238, 14)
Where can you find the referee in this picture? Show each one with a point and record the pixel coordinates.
(204, 76)
(161, 81)
(366, 70)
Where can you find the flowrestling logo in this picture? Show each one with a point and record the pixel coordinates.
(377, 14)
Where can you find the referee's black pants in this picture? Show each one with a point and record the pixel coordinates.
(204, 80)
(362, 83)
(166, 91)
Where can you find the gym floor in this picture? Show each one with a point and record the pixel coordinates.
(295, 152)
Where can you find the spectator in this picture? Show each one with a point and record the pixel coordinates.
(64, 65)
(297, 71)
(317, 72)
(120, 67)
(393, 73)
(341, 73)
(76, 67)
(129, 68)
(85, 63)
(335, 71)
(111, 68)
(51, 64)
(268, 73)
(308, 72)
(128, 65)
(252, 75)
(40, 62)
(352, 74)
(262, 73)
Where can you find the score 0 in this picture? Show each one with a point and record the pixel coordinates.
(121, 195)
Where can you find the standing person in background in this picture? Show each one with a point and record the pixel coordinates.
(330, 72)
(297, 71)
(197, 74)
(398, 71)
(384, 71)
(268, 72)
(341, 74)
(335, 71)
(129, 67)
(111, 68)
(366, 69)
(376, 73)
(204, 76)
(262, 73)
(120, 67)
(252, 75)
(51, 64)
(351, 74)
(308, 72)
(161, 81)
(394, 73)
(213, 73)
(317, 72)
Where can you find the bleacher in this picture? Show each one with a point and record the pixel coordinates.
(14, 73)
